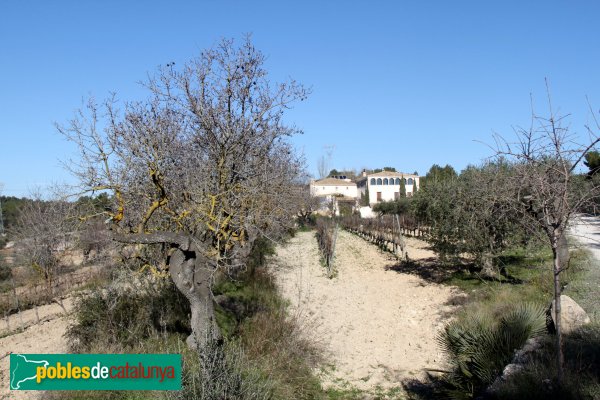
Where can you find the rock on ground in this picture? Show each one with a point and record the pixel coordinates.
(572, 316)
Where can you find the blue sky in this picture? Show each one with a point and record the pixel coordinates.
(395, 83)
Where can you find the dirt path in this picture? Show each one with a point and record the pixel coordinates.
(586, 230)
(377, 326)
(46, 337)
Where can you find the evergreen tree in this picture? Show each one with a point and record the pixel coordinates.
(592, 161)
(402, 187)
(439, 174)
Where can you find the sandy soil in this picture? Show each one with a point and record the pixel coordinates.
(46, 337)
(377, 326)
(27, 318)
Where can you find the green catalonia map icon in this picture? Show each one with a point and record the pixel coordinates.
(23, 371)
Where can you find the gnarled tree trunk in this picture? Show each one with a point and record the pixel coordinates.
(191, 273)
(194, 281)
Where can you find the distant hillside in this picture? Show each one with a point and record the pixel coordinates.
(10, 210)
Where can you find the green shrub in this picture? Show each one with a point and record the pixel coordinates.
(399, 206)
(479, 346)
(5, 270)
(122, 315)
(307, 223)
(582, 371)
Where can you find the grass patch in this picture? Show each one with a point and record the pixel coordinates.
(582, 371)
(530, 273)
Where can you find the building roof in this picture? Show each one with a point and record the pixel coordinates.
(394, 174)
(333, 182)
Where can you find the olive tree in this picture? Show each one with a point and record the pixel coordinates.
(468, 214)
(203, 166)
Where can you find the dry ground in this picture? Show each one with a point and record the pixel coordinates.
(376, 326)
(46, 337)
(20, 333)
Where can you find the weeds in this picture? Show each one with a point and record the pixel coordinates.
(264, 354)
(124, 314)
(582, 377)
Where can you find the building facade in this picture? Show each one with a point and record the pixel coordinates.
(386, 185)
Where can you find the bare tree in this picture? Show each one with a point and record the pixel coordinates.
(44, 231)
(203, 166)
(322, 167)
(324, 161)
(547, 191)
(307, 203)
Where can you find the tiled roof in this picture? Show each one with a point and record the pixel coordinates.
(390, 173)
(333, 182)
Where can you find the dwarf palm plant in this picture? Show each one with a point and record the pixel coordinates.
(479, 346)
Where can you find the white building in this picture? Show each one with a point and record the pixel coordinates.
(385, 185)
(333, 192)
(333, 187)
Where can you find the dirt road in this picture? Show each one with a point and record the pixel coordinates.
(377, 326)
(586, 230)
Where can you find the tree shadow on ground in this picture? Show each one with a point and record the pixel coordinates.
(434, 271)
(429, 269)
(431, 387)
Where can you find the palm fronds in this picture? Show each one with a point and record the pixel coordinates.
(479, 346)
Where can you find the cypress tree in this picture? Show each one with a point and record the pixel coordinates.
(402, 187)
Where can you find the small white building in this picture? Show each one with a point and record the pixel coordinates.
(333, 187)
(385, 185)
(333, 192)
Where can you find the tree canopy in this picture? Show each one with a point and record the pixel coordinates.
(592, 161)
(389, 169)
(203, 165)
(437, 173)
(468, 213)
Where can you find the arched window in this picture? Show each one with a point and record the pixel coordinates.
(385, 181)
(379, 181)
(410, 181)
(398, 181)
(372, 181)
